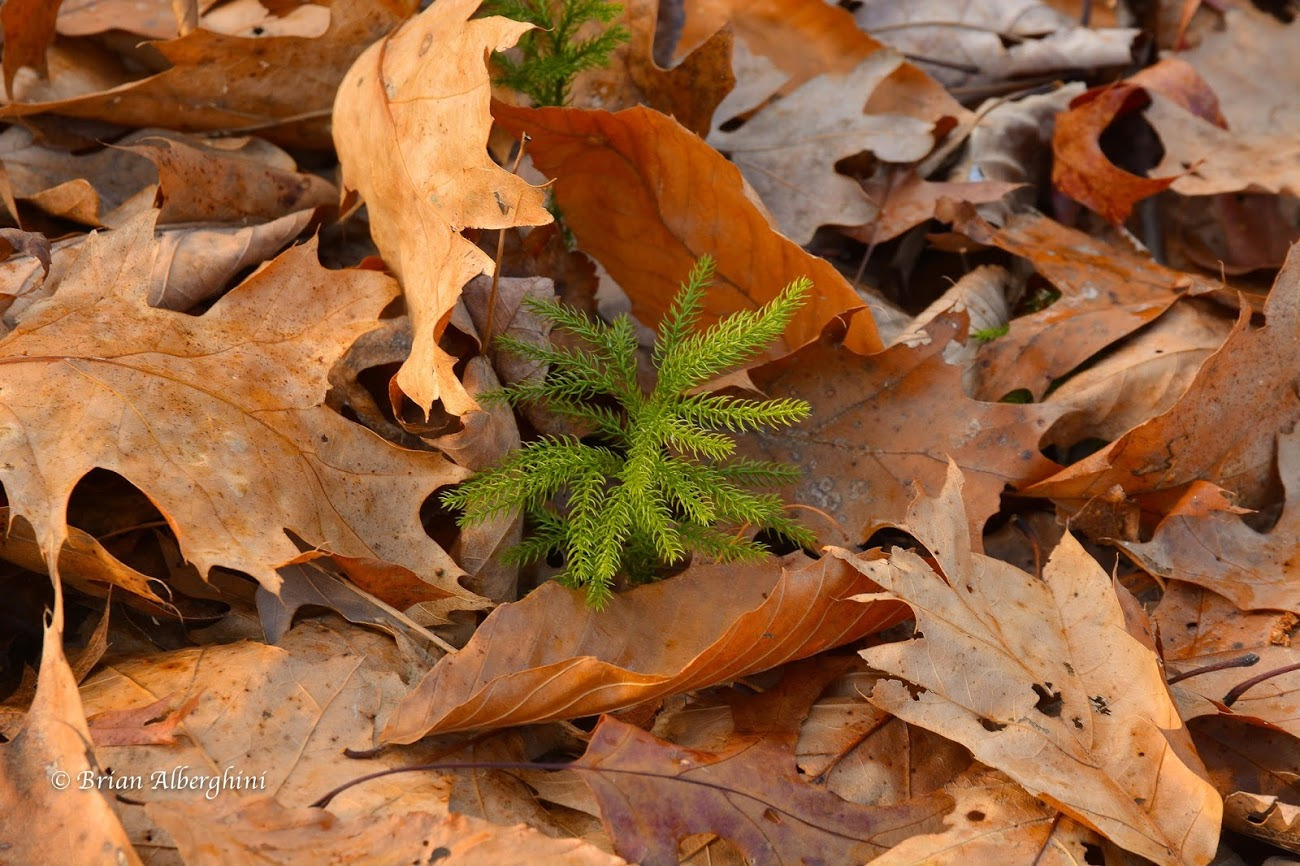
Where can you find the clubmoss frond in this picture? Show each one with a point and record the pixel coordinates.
(665, 481)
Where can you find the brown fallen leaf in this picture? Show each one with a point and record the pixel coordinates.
(411, 138)
(749, 792)
(1201, 436)
(647, 198)
(28, 27)
(1264, 817)
(904, 205)
(788, 150)
(995, 820)
(265, 832)
(881, 422)
(689, 91)
(1204, 540)
(1194, 621)
(151, 725)
(1140, 377)
(1040, 679)
(1242, 756)
(40, 786)
(218, 418)
(771, 612)
(280, 85)
(1106, 293)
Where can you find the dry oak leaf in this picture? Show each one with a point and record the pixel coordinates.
(1040, 679)
(749, 793)
(217, 418)
(647, 198)
(150, 725)
(1106, 294)
(411, 126)
(1264, 817)
(883, 421)
(281, 714)
(28, 27)
(43, 824)
(689, 91)
(1204, 540)
(265, 832)
(742, 619)
(1202, 437)
(788, 150)
(1242, 756)
(996, 821)
(1082, 170)
(281, 86)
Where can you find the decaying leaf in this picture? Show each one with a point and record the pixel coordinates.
(1040, 679)
(1201, 436)
(742, 618)
(228, 402)
(877, 426)
(414, 145)
(152, 724)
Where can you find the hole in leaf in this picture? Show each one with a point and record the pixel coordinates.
(1049, 701)
(1093, 854)
(991, 726)
(975, 815)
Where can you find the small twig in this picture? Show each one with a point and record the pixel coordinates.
(1241, 688)
(1028, 532)
(844, 532)
(154, 524)
(1240, 662)
(501, 250)
(875, 226)
(269, 124)
(945, 64)
(955, 25)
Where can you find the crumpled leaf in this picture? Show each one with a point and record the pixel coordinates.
(411, 126)
(647, 198)
(76, 825)
(770, 613)
(1140, 377)
(262, 830)
(1106, 293)
(1251, 376)
(881, 422)
(788, 151)
(284, 94)
(1264, 817)
(1204, 540)
(1040, 679)
(233, 396)
(151, 725)
(748, 792)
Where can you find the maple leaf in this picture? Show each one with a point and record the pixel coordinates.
(411, 130)
(1041, 679)
(217, 418)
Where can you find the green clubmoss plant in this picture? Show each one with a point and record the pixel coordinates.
(551, 56)
(657, 477)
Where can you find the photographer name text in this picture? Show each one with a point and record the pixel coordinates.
(182, 778)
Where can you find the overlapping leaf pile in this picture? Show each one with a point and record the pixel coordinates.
(255, 254)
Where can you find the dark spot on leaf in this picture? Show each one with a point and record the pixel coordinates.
(1049, 701)
(1099, 704)
(1069, 668)
(439, 853)
(1078, 722)
(770, 814)
(1093, 854)
(975, 815)
(991, 726)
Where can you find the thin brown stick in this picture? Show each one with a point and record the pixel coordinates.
(501, 250)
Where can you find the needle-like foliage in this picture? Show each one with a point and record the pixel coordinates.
(657, 478)
(553, 54)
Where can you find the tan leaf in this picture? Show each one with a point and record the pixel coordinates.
(218, 418)
(1040, 679)
(907, 204)
(1265, 818)
(28, 27)
(788, 151)
(212, 85)
(1201, 436)
(770, 613)
(266, 832)
(1106, 294)
(647, 198)
(1141, 377)
(883, 421)
(49, 816)
(995, 820)
(689, 91)
(411, 126)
